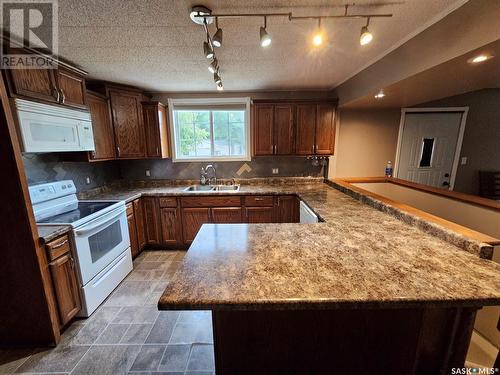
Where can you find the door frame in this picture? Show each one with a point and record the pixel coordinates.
(458, 147)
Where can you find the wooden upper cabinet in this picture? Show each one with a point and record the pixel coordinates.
(128, 124)
(156, 130)
(102, 127)
(263, 129)
(325, 129)
(283, 130)
(71, 87)
(306, 129)
(32, 83)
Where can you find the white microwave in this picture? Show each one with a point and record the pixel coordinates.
(50, 128)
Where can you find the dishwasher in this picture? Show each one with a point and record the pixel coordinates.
(307, 215)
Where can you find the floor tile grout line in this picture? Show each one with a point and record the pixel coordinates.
(161, 358)
(78, 362)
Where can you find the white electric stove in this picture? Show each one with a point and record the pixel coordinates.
(99, 234)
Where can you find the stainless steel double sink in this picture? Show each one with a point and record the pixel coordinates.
(209, 188)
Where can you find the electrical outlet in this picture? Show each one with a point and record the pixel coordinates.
(276, 170)
(148, 173)
(87, 180)
(463, 161)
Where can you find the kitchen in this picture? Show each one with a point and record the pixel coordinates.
(314, 176)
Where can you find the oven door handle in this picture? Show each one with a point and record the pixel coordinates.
(111, 216)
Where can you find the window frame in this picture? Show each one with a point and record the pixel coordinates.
(207, 102)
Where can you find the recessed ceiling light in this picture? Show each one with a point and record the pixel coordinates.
(480, 58)
(379, 95)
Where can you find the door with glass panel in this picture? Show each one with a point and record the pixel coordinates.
(429, 147)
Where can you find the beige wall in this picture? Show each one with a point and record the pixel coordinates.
(366, 140)
(481, 143)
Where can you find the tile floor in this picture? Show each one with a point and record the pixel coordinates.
(127, 334)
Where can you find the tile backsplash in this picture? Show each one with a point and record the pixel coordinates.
(41, 168)
(288, 166)
(49, 167)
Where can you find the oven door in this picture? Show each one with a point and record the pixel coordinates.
(101, 241)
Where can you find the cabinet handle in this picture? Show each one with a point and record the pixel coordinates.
(63, 97)
(58, 95)
(313, 149)
(258, 199)
(93, 154)
(316, 148)
(118, 149)
(157, 151)
(59, 245)
(71, 262)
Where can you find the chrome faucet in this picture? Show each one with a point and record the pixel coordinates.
(212, 180)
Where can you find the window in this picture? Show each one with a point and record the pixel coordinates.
(209, 130)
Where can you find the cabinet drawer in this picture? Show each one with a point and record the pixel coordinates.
(259, 200)
(58, 247)
(130, 208)
(168, 202)
(225, 201)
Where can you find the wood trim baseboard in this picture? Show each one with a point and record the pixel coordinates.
(467, 232)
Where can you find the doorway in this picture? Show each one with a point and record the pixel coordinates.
(429, 144)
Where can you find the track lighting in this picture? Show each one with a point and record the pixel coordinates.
(220, 87)
(366, 36)
(212, 68)
(380, 94)
(265, 38)
(217, 39)
(217, 78)
(208, 50)
(318, 35)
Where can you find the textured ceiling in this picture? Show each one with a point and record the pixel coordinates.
(154, 45)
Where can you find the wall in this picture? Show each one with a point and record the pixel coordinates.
(366, 140)
(48, 167)
(481, 138)
(289, 166)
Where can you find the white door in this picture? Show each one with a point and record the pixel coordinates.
(429, 147)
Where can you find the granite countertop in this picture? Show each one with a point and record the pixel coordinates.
(49, 233)
(359, 256)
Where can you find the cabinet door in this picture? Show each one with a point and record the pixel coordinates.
(33, 83)
(283, 130)
(152, 220)
(306, 128)
(171, 227)
(132, 231)
(192, 220)
(228, 215)
(259, 214)
(325, 129)
(288, 209)
(66, 287)
(72, 88)
(101, 126)
(152, 130)
(139, 223)
(263, 129)
(128, 124)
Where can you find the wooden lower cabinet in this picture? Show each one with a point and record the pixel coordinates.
(132, 231)
(139, 223)
(288, 209)
(192, 220)
(171, 227)
(226, 215)
(152, 220)
(64, 279)
(259, 214)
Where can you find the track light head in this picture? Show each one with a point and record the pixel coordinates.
(208, 50)
(212, 68)
(366, 36)
(319, 35)
(265, 38)
(217, 39)
(217, 78)
(220, 87)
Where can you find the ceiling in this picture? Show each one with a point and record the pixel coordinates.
(454, 77)
(154, 45)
